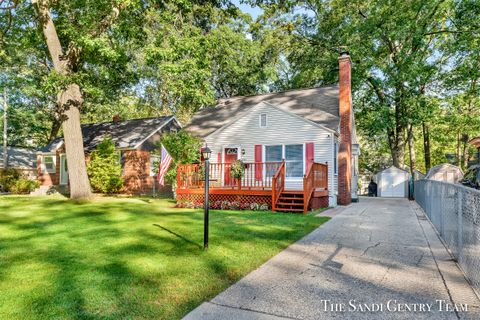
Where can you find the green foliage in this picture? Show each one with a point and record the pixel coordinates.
(13, 180)
(183, 147)
(104, 169)
(193, 56)
(24, 185)
(153, 58)
(414, 62)
(237, 169)
(8, 178)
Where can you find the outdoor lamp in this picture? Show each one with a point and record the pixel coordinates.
(206, 153)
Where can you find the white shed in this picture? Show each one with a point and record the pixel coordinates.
(445, 172)
(393, 182)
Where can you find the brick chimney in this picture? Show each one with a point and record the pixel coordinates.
(345, 148)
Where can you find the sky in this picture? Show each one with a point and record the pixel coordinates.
(253, 11)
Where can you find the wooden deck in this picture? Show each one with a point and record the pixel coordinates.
(261, 179)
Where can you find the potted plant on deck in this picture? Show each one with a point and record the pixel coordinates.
(237, 170)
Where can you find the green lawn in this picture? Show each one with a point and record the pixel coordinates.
(127, 258)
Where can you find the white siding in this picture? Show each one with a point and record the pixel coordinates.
(282, 128)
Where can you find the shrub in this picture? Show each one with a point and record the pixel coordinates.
(183, 147)
(23, 185)
(8, 178)
(13, 180)
(104, 169)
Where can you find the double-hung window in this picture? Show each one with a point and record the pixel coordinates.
(49, 164)
(294, 160)
(293, 155)
(273, 154)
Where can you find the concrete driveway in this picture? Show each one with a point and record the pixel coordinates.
(377, 259)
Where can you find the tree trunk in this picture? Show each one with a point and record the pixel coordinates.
(69, 101)
(426, 146)
(459, 153)
(411, 150)
(465, 156)
(56, 125)
(399, 151)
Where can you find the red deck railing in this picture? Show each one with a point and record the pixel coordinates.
(278, 183)
(315, 179)
(257, 176)
(260, 178)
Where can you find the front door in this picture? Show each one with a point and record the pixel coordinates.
(63, 170)
(231, 154)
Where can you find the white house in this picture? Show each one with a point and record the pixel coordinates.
(300, 127)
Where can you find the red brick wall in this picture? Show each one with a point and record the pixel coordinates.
(137, 174)
(48, 179)
(318, 202)
(345, 150)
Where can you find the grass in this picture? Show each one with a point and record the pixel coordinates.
(127, 258)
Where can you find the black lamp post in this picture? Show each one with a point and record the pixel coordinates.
(206, 152)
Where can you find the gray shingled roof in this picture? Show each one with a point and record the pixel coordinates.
(125, 134)
(319, 105)
(20, 158)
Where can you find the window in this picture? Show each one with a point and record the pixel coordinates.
(335, 158)
(294, 160)
(263, 120)
(272, 154)
(293, 155)
(49, 164)
(154, 164)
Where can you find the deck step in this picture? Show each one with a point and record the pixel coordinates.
(290, 201)
(289, 210)
(295, 204)
(292, 196)
(292, 192)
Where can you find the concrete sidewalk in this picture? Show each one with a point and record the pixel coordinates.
(377, 259)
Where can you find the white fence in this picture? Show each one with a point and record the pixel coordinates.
(455, 212)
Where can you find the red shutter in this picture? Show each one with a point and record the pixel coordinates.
(219, 157)
(309, 155)
(258, 159)
(201, 154)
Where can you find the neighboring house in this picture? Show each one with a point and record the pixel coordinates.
(445, 172)
(22, 159)
(476, 143)
(393, 182)
(312, 130)
(136, 142)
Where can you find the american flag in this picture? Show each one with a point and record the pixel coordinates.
(163, 167)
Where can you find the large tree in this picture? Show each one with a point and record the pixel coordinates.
(399, 58)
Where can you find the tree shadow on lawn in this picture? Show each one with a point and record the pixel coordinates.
(131, 267)
(178, 235)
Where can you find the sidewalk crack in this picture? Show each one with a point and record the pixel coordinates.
(253, 310)
(369, 247)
